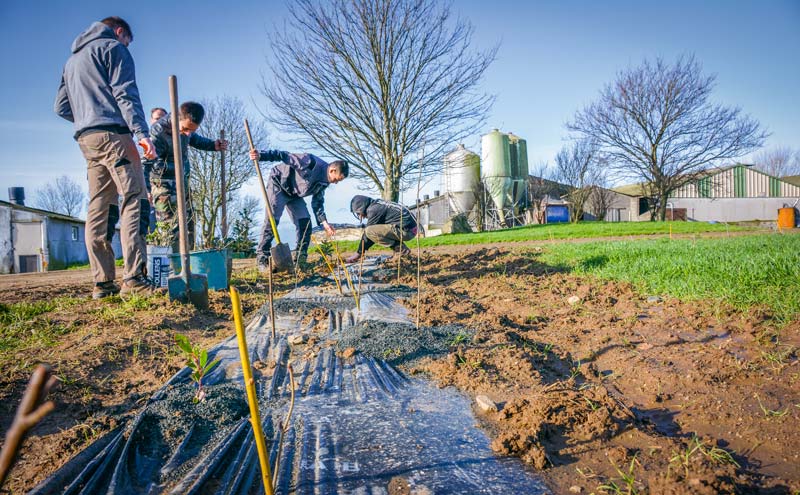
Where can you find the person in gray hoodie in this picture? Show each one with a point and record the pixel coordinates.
(98, 94)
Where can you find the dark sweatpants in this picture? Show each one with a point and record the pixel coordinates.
(298, 212)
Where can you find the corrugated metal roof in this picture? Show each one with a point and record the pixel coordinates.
(636, 189)
(47, 213)
(792, 179)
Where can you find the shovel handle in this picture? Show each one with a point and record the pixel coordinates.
(263, 187)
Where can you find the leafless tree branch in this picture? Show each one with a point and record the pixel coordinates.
(655, 123)
(63, 195)
(369, 80)
(781, 161)
(221, 113)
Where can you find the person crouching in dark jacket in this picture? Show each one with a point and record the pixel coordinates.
(388, 224)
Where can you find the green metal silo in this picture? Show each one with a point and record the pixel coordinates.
(520, 175)
(496, 169)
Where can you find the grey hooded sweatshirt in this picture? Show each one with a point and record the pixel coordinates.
(98, 87)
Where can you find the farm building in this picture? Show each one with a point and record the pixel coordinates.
(737, 193)
(34, 240)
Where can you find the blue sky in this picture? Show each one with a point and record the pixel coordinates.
(555, 56)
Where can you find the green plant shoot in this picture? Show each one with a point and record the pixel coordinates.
(197, 360)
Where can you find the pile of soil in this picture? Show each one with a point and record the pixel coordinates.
(595, 383)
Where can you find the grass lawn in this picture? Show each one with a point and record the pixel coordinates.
(742, 271)
(580, 230)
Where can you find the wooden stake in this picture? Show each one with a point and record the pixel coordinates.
(361, 266)
(271, 304)
(283, 427)
(224, 192)
(347, 275)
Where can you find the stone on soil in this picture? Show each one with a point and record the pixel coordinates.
(485, 404)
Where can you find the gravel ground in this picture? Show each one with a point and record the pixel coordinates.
(399, 343)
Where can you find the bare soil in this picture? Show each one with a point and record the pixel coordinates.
(109, 361)
(596, 384)
(615, 383)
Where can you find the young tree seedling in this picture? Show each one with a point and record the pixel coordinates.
(197, 360)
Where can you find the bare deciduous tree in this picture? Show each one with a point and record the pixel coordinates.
(781, 161)
(541, 187)
(221, 113)
(63, 195)
(655, 123)
(372, 81)
(601, 196)
(577, 166)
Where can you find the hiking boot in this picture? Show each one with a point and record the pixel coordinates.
(264, 267)
(104, 289)
(401, 250)
(139, 285)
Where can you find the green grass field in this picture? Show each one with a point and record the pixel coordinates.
(758, 270)
(583, 230)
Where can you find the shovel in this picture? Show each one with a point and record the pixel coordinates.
(185, 286)
(281, 255)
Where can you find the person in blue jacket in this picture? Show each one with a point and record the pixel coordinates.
(293, 178)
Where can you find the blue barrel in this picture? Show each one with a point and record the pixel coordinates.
(214, 263)
(557, 214)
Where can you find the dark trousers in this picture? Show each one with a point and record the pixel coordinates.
(298, 212)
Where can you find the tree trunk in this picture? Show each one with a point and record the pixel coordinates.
(391, 183)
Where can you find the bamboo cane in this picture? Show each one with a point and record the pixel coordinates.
(333, 273)
(347, 275)
(284, 427)
(252, 400)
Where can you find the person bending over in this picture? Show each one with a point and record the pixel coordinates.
(293, 178)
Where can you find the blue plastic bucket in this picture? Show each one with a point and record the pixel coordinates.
(211, 262)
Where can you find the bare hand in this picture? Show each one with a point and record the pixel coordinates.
(221, 144)
(254, 154)
(149, 149)
(329, 229)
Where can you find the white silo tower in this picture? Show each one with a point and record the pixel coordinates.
(462, 177)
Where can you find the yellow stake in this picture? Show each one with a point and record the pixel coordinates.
(250, 386)
(670, 232)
